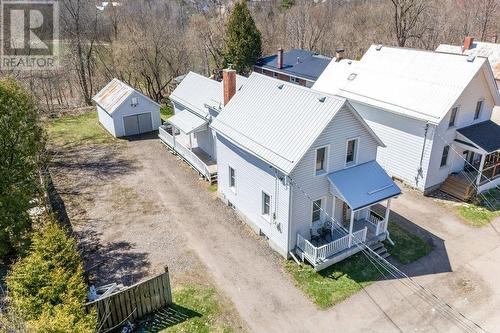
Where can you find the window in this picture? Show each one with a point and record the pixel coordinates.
(294, 80)
(453, 116)
(316, 210)
(320, 160)
(232, 179)
(266, 204)
(444, 158)
(134, 101)
(479, 106)
(351, 152)
(275, 74)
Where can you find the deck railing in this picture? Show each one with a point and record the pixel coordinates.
(184, 152)
(378, 222)
(315, 254)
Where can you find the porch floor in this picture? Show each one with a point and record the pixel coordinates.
(337, 234)
(205, 158)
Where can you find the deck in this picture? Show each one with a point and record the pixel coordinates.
(195, 157)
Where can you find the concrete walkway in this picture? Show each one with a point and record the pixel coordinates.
(462, 270)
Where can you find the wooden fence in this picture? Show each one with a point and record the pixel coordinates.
(132, 302)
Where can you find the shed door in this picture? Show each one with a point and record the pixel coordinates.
(139, 123)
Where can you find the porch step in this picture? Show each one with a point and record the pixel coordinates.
(457, 187)
(380, 249)
(213, 178)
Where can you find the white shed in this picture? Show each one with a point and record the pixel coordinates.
(124, 111)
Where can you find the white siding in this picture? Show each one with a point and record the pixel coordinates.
(344, 126)
(252, 177)
(106, 120)
(404, 140)
(477, 90)
(205, 141)
(126, 109)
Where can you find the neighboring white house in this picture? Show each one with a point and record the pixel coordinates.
(415, 101)
(196, 101)
(299, 166)
(124, 111)
(482, 49)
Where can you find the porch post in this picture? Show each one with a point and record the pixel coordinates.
(350, 227)
(190, 143)
(173, 133)
(333, 209)
(387, 211)
(481, 166)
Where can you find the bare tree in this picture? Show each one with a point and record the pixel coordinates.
(407, 15)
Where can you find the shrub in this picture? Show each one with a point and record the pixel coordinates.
(46, 288)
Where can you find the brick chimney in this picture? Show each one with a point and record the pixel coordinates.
(467, 43)
(339, 54)
(280, 58)
(229, 84)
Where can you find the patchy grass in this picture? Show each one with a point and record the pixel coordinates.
(483, 209)
(408, 247)
(78, 130)
(196, 309)
(166, 112)
(335, 283)
(212, 188)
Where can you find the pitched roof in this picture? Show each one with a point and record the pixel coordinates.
(485, 134)
(481, 49)
(277, 121)
(300, 63)
(360, 191)
(196, 91)
(415, 83)
(114, 94)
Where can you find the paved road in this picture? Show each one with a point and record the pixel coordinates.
(462, 270)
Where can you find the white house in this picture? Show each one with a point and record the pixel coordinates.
(124, 111)
(417, 101)
(196, 101)
(299, 167)
(475, 48)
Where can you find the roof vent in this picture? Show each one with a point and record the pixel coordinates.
(471, 58)
(379, 47)
(280, 86)
(321, 98)
(352, 76)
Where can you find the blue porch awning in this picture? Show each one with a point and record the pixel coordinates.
(363, 185)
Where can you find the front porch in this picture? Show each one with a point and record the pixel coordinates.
(193, 155)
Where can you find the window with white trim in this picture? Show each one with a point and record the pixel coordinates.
(266, 205)
(232, 179)
(352, 146)
(316, 210)
(295, 80)
(320, 160)
(444, 157)
(479, 107)
(453, 116)
(134, 101)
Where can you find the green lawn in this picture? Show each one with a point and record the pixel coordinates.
(78, 130)
(166, 112)
(196, 309)
(340, 281)
(407, 247)
(483, 209)
(212, 188)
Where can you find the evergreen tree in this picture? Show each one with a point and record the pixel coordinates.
(243, 44)
(21, 144)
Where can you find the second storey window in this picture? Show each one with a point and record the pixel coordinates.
(316, 210)
(479, 106)
(320, 160)
(351, 152)
(444, 157)
(232, 179)
(266, 204)
(453, 116)
(294, 80)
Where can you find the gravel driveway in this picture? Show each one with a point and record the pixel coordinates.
(157, 211)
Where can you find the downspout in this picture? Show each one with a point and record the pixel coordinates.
(420, 170)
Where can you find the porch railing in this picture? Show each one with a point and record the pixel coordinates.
(378, 222)
(185, 153)
(315, 254)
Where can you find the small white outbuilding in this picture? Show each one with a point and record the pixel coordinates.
(124, 111)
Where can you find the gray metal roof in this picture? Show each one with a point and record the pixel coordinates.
(187, 122)
(364, 185)
(300, 63)
(485, 134)
(196, 91)
(275, 120)
(114, 94)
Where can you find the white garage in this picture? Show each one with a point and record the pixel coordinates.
(124, 111)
